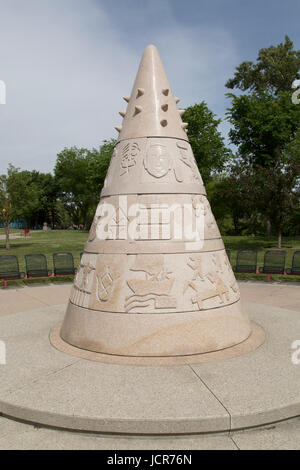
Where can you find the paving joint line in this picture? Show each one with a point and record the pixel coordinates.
(34, 380)
(230, 436)
(202, 381)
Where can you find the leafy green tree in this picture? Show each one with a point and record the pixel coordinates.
(232, 196)
(98, 163)
(19, 197)
(275, 70)
(49, 200)
(71, 173)
(206, 140)
(6, 208)
(46, 189)
(263, 126)
(80, 174)
(265, 123)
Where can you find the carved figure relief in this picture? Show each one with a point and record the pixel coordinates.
(81, 289)
(219, 290)
(204, 292)
(189, 161)
(196, 264)
(154, 288)
(129, 156)
(157, 161)
(198, 200)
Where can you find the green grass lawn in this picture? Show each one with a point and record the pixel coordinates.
(47, 243)
(12, 230)
(74, 241)
(261, 244)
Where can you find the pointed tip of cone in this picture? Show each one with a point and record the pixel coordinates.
(151, 53)
(151, 110)
(150, 47)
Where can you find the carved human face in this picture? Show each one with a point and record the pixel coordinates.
(157, 161)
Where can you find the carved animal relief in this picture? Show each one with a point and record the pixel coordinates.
(206, 284)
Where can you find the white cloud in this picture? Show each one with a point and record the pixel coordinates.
(66, 66)
(65, 71)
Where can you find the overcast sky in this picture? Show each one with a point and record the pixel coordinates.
(67, 63)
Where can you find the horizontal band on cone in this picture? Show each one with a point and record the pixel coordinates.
(151, 246)
(153, 137)
(148, 189)
(157, 313)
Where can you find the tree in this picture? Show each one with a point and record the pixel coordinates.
(19, 197)
(49, 198)
(98, 163)
(206, 140)
(233, 196)
(265, 123)
(276, 69)
(71, 172)
(7, 212)
(263, 126)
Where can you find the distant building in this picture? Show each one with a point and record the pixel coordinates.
(19, 224)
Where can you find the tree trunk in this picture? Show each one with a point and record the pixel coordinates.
(268, 228)
(52, 218)
(279, 237)
(236, 224)
(7, 236)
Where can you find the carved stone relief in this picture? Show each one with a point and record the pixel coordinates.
(105, 283)
(129, 157)
(108, 282)
(83, 281)
(154, 288)
(209, 283)
(209, 220)
(188, 159)
(157, 161)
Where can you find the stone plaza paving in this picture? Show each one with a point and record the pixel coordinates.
(18, 435)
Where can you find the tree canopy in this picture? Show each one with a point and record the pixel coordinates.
(265, 128)
(275, 70)
(80, 175)
(206, 140)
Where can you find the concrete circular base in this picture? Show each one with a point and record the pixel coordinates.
(256, 338)
(42, 385)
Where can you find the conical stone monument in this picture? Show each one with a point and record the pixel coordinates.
(154, 278)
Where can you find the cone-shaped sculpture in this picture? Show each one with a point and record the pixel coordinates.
(148, 284)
